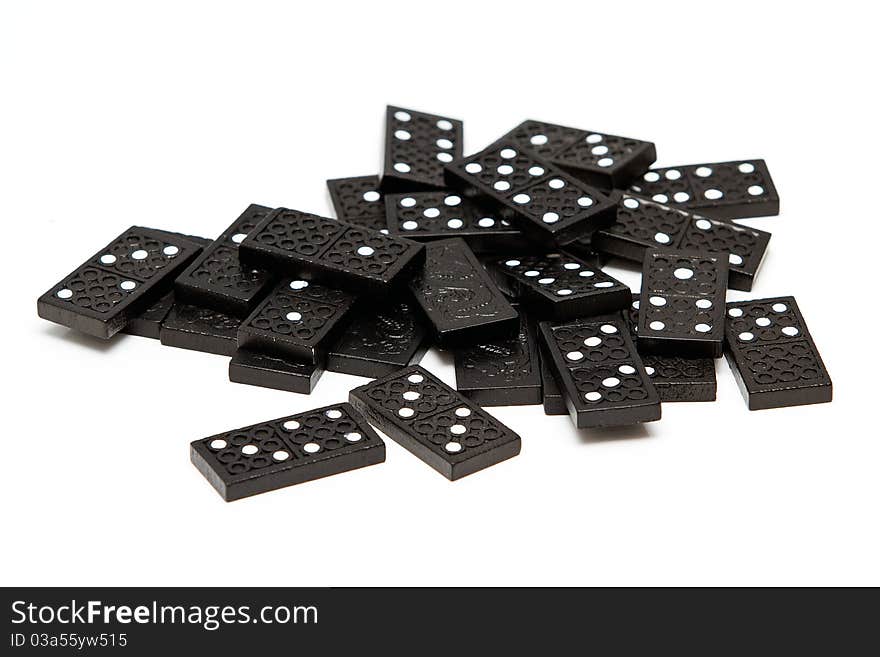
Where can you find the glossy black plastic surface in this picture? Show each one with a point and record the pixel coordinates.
(417, 145)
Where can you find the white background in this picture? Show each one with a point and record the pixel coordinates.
(177, 115)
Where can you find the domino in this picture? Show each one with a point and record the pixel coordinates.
(547, 204)
(560, 286)
(676, 379)
(301, 245)
(200, 329)
(359, 201)
(721, 190)
(553, 400)
(277, 373)
(380, 340)
(504, 372)
(600, 373)
(426, 216)
(437, 424)
(459, 298)
(643, 224)
(772, 355)
(417, 145)
(287, 451)
(118, 283)
(682, 307)
(296, 321)
(218, 280)
(597, 158)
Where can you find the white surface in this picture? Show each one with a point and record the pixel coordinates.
(178, 115)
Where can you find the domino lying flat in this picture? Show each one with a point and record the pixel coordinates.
(118, 283)
(540, 199)
(200, 329)
(645, 224)
(297, 321)
(302, 245)
(286, 451)
(682, 309)
(600, 159)
(434, 422)
(560, 286)
(271, 372)
(722, 190)
(459, 298)
(359, 201)
(426, 216)
(502, 372)
(217, 279)
(773, 356)
(417, 145)
(600, 373)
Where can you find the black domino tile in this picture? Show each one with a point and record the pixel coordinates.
(417, 146)
(200, 329)
(435, 422)
(358, 200)
(271, 372)
(287, 451)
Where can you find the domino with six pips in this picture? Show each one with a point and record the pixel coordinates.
(289, 294)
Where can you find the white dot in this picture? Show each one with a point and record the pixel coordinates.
(406, 412)
(291, 425)
(673, 174)
(431, 213)
(293, 316)
(443, 124)
(603, 284)
(444, 143)
(608, 329)
(681, 197)
(683, 273)
(508, 153)
(574, 355)
(411, 395)
(280, 455)
(353, 436)
(626, 369)
(556, 183)
(452, 201)
(401, 167)
(415, 378)
(108, 259)
(546, 281)
(501, 185)
(703, 172)
(473, 167)
(586, 273)
(250, 450)
(703, 328)
(593, 396)
(170, 250)
(662, 238)
(605, 162)
(746, 167)
(651, 176)
(538, 140)
(713, 194)
(402, 116)
(790, 330)
(656, 326)
(532, 273)
(486, 222)
(703, 224)
(657, 301)
(452, 447)
(779, 307)
(703, 303)
(585, 201)
(599, 150)
(512, 263)
(550, 218)
(457, 429)
(763, 321)
(635, 304)
(462, 412)
(521, 198)
(403, 135)
(366, 250)
(630, 203)
(572, 265)
(409, 225)
(649, 370)
(505, 169)
(238, 238)
(593, 139)
(444, 157)
(298, 285)
(611, 382)
(128, 285)
(140, 254)
(455, 223)
(218, 443)
(735, 259)
(333, 414)
(756, 190)
(735, 312)
(660, 198)
(311, 448)
(746, 336)
(593, 341)
(536, 171)
(564, 292)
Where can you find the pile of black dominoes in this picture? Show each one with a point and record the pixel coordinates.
(494, 257)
